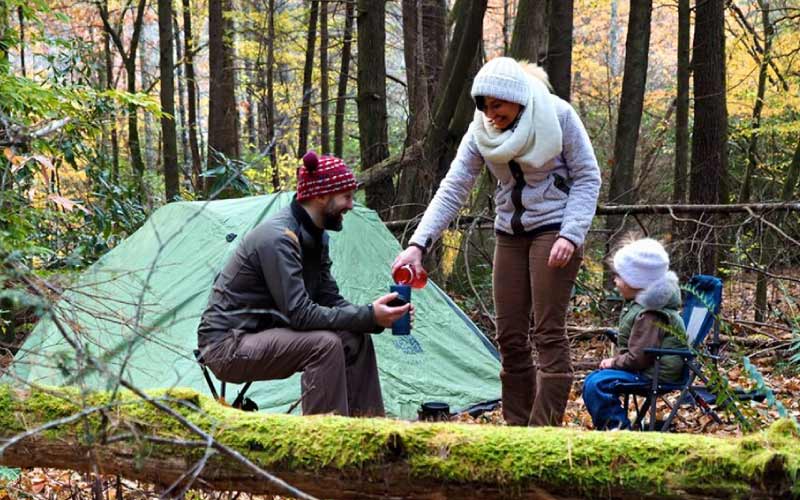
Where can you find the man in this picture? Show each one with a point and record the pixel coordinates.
(275, 308)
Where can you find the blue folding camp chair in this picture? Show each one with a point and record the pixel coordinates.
(700, 309)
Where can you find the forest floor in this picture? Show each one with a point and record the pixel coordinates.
(769, 344)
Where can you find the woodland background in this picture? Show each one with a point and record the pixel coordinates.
(109, 109)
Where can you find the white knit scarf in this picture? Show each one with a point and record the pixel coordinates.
(535, 140)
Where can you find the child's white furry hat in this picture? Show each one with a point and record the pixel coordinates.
(641, 263)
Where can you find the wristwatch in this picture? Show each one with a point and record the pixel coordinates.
(421, 247)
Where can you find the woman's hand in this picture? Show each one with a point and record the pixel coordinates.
(561, 252)
(607, 363)
(411, 255)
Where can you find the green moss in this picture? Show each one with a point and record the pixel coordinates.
(783, 428)
(581, 462)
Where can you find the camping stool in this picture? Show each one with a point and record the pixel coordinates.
(240, 402)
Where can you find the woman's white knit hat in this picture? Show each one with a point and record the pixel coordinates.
(641, 263)
(502, 78)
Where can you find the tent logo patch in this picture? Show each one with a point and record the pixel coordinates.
(408, 344)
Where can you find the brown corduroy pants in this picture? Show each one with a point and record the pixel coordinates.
(340, 372)
(532, 297)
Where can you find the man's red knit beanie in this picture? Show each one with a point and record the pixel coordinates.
(322, 175)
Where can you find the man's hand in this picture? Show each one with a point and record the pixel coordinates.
(411, 255)
(607, 363)
(385, 314)
(560, 253)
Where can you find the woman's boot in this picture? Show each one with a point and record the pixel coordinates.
(519, 390)
(551, 398)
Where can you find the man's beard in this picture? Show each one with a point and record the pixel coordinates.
(332, 221)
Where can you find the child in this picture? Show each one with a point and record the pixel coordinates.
(642, 275)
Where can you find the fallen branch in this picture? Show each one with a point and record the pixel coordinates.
(586, 333)
(20, 135)
(336, 457)
(746, 323)
(662, 209)
(761, 271)
(697, 209)
(390, 166)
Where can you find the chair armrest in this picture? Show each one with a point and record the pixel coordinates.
(611, 335)
(665, 352)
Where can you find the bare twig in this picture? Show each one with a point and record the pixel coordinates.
(773, 226)
(225, 450)
(192, 473)
(484, 309)
(761, 271)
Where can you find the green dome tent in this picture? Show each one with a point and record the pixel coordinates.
(138, 308)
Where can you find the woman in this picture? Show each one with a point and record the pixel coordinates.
(548, 183)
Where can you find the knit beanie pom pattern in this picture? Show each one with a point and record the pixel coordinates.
(642, 263)
(321, 175)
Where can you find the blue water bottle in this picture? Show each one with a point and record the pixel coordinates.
(403, 325)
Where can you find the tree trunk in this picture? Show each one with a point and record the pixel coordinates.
(4, 28)
(629, 118)
(168, 132)
(250, 117)
(191, 97)
(184, 159)
(755, 122)
(507, 4)
(410, 197)
(631, 103)
(149, 154)
(766, 241)
(129, 60)
(682, 104)
(308, 72)
(709, 164)
(559, 47)
(613, 40)
(467, 37)
(416, 80)
(223, 118)
(434, 33)
(335, 457)
(324, 127)
(344, 72)
(529, 40)
(792, 175)
(460, 56)
(113, 114)
(270, 105)
(465, 109)
(21, 20)
(133, 129)
(372, 113)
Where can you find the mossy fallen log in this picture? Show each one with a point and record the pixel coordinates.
(334, 457)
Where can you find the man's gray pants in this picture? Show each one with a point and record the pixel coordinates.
(340, 373)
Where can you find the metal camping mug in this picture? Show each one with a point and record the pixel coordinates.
(403, 325)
